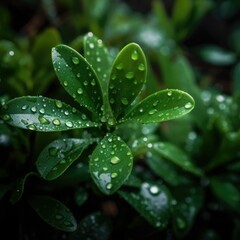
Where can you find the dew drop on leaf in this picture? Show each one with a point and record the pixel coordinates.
(43, 120)
(65, 83)
(31, 127)
(129, 75)
(42, 110)
(141, 67)
(58, 217)
(69, 124)
(154, 189)
(151, 112)
(24, 107)
(6, 117)
(119, 66)
(80, 91)
(109, 186)
(33, 109)
(188, 105)
(124, 101)
(58, 104)
(78, 75)
(114, 175)
(91, 45)
(115, 160)
(75, 60)
(169, 93)
(56, 122)
(53, 151)
(134, 56)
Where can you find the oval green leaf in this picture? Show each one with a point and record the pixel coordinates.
(162, 106)
(176, 156)
(97, 55)
(111, 164)
(43, 114)
(56, 157)
(54, 213)
(127, 77)
(152, 201)
(78, 78)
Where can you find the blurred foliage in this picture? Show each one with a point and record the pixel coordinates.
(192, 45)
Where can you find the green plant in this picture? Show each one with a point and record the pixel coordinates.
(110, 105)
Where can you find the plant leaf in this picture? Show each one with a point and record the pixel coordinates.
(127, 77)
(111, 164)
(226, 192)
(78, 78)
(162, 106)
(56, 157)
(94, 226)
(97, 55)
(43, 114)
(153, 202)
(176, 155)
(54, 213)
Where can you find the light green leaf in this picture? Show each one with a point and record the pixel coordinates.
(43, 114)
(54, 213)
(56, 157)
(176, 155)
(152, 201)
(127, 77)
(78, 78)
(162, 106)
(111, 164)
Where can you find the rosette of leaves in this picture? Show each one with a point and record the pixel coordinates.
(107, 90)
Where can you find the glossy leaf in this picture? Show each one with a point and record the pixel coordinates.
(176, 155)
(152, 201)
(111, 163)
(95, 226)
(54, 213)
(226, 192)
(56, 157)
(78, 78)
(97, 55)
(162, 106)
(127, 77)
(43, 114)
(18, 190)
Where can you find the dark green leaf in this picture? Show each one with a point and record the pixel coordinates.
(162, 106)
(226, 192)
(97, 55)
(18, 190)
(55, 159)
(152, 202)
(127, 77)
(43, 114)
(54, 213)
(78, 78)
(176, 155)
(111, 163)
(95, 226)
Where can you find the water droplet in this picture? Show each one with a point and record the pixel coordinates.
(91, 45)
(188, 105)
(62, 161)
(114, 175)
(25, 122)
(124, 101)
(6, 117)
(181, 223)
(74, 110)
(84, 116)
(115, 160)
(105, 169)
(42, 110)
(85, 83)
(93, 82)
(78, 75)
(65, 83)
(151, 112)
(141, 67)
(53, 151)
(96, 159)
(58, 104)
(129, 75)
(155, 103)
(56, 122)
(43, 120)
(32, 127)
(24, 107)
(109, 186)
(154, 189)
(134, 56)
(75, 60)
(33, 109)
(169, 93)
(119, 66)
(69, 124)
(98, 59)
(80, 91)
(58, 217)
(66, 113)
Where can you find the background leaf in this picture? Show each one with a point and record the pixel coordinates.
(127, 77)
(54, 213)
(78, 78)
(55, 159)
(111, 163)
(43, 114)
(152, 201)
(162, 106)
